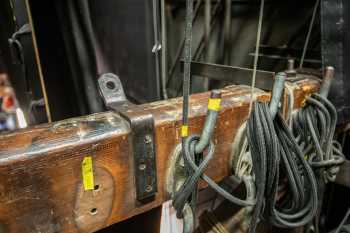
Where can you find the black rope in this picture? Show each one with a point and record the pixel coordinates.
(314, 126)
(277, 159)
(196, 165)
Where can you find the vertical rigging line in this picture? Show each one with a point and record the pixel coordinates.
(156, 46)
(311, 26)
(164, 49)
(207, 20)
(187, 65)
(256, 55)
(37, 58)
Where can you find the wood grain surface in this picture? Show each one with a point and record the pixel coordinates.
(40, 168)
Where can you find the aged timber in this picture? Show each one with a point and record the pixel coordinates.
(41, 186)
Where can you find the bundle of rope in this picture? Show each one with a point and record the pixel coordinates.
(314, 127)
(277, 159)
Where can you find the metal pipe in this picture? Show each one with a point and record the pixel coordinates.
(327, 81)
(207, 17)
(291, 65)
(213, 21)
(164, 50)
(188, 219)
(209, 125)
(227, 33)
(156, 46)
(277, 91)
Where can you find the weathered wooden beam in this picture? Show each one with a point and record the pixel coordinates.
(40, 168)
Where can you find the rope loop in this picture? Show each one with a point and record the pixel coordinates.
(315, 125)
(196, 165)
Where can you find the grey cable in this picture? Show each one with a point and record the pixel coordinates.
(343, 221)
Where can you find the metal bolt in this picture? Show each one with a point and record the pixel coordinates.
(291, 72)
(93, 211)
(290, 66)
(329, 73)
(142, 166)
(148, 139)
(215, 94)
(149, 188)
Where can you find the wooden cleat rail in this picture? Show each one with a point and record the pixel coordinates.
(41, 181)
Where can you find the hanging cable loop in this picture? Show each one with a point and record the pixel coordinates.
(197, 152)
(315, 127)
(277, 162)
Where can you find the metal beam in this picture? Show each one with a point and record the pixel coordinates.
(234, 74)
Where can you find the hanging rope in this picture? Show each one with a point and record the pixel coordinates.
(243, 166)
(197, 152)
(256, 54)
(187, 68)
(276, 156)
(314, 127)
(194, 147)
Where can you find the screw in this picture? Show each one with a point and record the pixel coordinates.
(290, 66)
(148, 139)
(149, 188)
(93, 211)
(142, 166)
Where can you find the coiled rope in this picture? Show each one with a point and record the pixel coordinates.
(315, 126)
(277, 159)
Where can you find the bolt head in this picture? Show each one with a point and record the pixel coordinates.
(149, 188)
(142, 166)
(148, 139)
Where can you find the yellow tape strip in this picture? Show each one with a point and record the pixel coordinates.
(214, 104)
(184, 131)
(87, 173)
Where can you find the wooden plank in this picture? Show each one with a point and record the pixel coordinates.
(40, 168)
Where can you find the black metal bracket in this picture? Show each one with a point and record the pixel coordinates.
(142, 136)
(142, 141)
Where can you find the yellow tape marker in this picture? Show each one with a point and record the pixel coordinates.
(184, 131)
(88, 173)
(214, 104)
